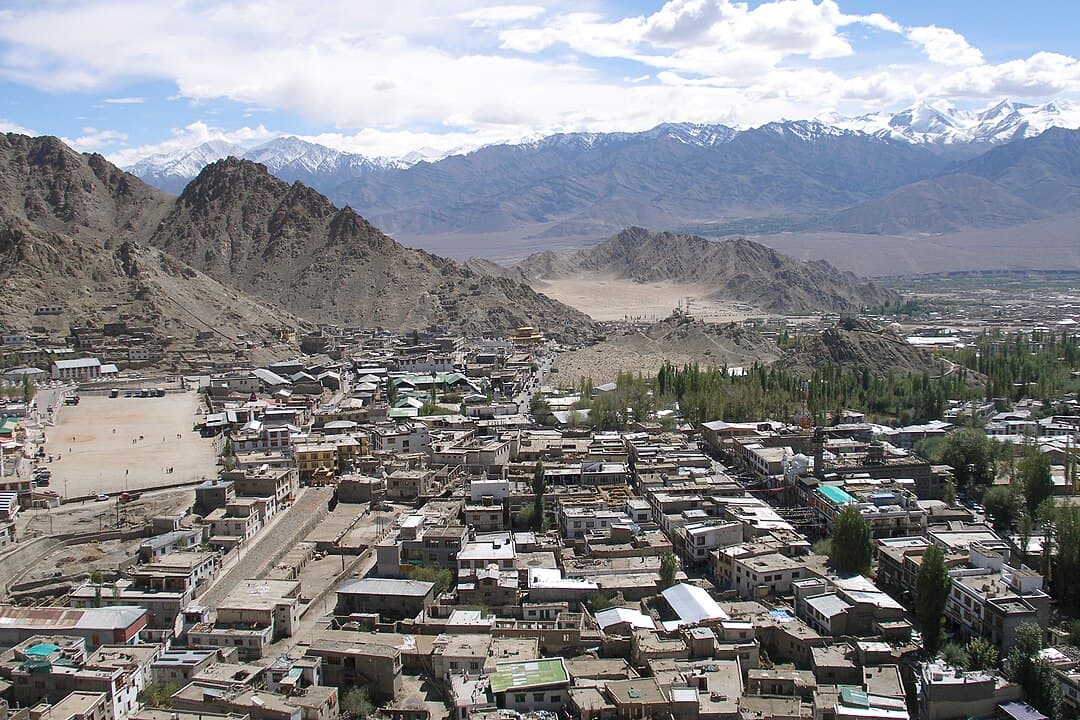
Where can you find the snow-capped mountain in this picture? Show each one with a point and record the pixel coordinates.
(940, 126)
(292, 159)
(171, 172)
(288, 158)
(941, 123)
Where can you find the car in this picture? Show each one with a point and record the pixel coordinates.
(102, 497)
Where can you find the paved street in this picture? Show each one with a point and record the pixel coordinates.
(284, 531)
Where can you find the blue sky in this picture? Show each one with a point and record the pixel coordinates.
(129, 78)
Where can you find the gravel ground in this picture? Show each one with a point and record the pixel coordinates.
(113, 444)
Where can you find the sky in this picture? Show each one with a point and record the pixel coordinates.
(131, 78)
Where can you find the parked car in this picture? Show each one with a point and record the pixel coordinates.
(102, 497)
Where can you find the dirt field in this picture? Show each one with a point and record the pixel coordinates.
(112, 444)
(608, 298)
(676, 341)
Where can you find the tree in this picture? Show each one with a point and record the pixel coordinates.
(1042, 689)
(597, 601)
(1035, 675)
(931, 591)
(1001, 504)
(1074, 633)
(969, 452)
(27, 389)
(669, 566)
(356, 703)
(851, 547)
(158, 695)
(97, 579)
(539, 485)
(440, 577)
(1035, 477)
(1066, 576)
(954, 655)
(981, 655)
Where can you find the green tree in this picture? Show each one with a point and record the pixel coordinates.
(440, 577)
(27, 390)
(954, 655)
(1035, 477)
(158, 695)
(356, 703)
(597, 601)
(97, 579)
(981, 655)
(931, 591)
(539, 486)
(1035, 676)
(1065, 584)
(971, 456)
(669, 567)
(1074, 633)
(1001, 505)
(851, 546)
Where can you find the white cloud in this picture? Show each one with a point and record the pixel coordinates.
(1043, 74)
(387, 78)
(94, 140)
(7, 126)
(125, 101)
(188, 137)
(501, 14)
(944, 46)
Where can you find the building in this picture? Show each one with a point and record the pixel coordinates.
(391, 599)
(78, 369)
(97, 626)
(532, 685)
(263, 603)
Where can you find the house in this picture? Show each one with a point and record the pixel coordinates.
(542, 684)
(77, 369)
(97, 626)
(392, 599)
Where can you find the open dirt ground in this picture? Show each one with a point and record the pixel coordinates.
(609, 298)
(115, 444)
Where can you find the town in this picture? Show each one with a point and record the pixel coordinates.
(426, 526)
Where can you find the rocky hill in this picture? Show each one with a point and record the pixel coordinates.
(855, 343)
(72, 230)
(291, 247)
(738, 270)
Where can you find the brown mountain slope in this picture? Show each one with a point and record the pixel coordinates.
(70, 226)
(855, 343)
(737, 269)
(290, 246)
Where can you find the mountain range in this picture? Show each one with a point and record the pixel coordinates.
(239, 253)
(929, 169)
(288, 158)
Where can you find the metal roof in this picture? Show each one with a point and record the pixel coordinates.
(692, 604)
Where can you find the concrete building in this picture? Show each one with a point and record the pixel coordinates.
(392, 599)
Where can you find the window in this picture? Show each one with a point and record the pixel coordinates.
(538, 697)
(520, 697)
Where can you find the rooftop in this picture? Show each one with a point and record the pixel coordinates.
(531, 673)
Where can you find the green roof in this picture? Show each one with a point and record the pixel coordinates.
(836, 495)
(528, 674)
(42, 649)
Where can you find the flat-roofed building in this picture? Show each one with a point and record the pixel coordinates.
(97, 626)
(391, 598)
(263, 603)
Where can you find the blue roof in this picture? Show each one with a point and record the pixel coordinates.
(835, 495)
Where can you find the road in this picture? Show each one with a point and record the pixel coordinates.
(284, 531)
(524, 398)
